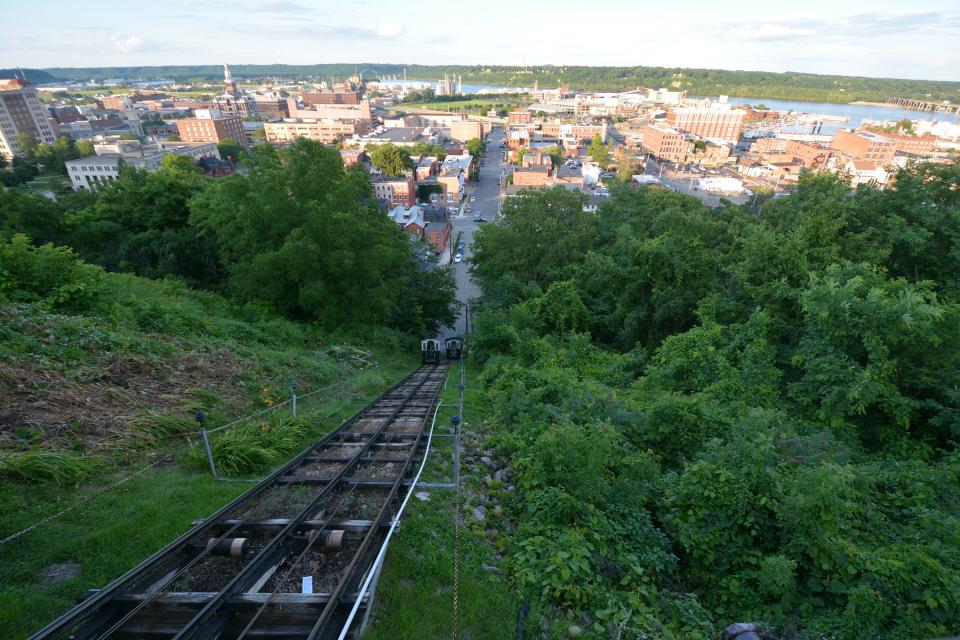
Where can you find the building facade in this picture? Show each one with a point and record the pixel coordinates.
(391, 192)
(325, 131)
(22, 112)
(718, 121)
(211, 125)
(667, 144)
(465, 130)
(864, 145)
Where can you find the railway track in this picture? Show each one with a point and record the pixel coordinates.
(284, 560)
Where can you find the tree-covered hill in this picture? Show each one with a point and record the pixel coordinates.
(714, 416)
(708, 82)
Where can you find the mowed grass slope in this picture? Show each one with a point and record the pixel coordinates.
(100, 376)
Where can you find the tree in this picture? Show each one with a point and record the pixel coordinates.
(27, 143)
(260, 134)
(302, 235)
(541, 235)
(231, 150)
(599, 152)
(390, 159)
(476, 147)
(84, 148)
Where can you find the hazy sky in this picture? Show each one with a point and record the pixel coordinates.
(915, 39)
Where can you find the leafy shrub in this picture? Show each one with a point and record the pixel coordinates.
(251, 448)
(52, 274)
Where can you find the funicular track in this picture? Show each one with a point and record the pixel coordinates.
(241, 573)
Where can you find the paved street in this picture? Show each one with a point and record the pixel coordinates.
(487, 204)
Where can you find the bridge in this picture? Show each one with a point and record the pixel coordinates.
(925, 105)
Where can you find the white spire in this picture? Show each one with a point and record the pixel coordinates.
(227, 76)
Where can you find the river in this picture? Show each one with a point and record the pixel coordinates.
(854, 113)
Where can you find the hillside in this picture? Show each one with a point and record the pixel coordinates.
(716, 417)
(709, 82)
(34, 76)
(100, 376)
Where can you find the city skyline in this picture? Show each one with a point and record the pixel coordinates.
(874, 39)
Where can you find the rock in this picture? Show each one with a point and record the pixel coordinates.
(510, 488)
(59, 572)
(574, 631)
(741, 631)
(492, 534)
(486, 460)
(498, 476)
(487, 480)
(489, 568)
(479, 512)
(498, 511)
(423, 496)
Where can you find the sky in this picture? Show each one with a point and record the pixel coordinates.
(916, 39)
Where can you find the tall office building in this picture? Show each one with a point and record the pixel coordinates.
(21, 112)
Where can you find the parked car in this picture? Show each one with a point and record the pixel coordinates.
(458, 258)
(473, 198)
(479, 219)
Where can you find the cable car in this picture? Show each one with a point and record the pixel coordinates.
(430, 350)
(454, 348)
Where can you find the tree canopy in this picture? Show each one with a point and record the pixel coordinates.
(390, 159)
(721, 417)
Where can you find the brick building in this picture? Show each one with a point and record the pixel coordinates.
(666, 144)
(865, 145)
(325, 131)
(391, 192)
(719, 121)
(331, 97)
(917, 145)
(211, 126)
(520, 116)
(464, 130)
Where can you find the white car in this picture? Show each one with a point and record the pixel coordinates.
(473, 198)
(458, 258)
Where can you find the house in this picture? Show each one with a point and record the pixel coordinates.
(432, 223)
(354, 157)
(395, 191)
(866, 172)
(426, 167)
(454, 172)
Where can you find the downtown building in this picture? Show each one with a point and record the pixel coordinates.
(708, 120)
(210, 125)
(21, 112)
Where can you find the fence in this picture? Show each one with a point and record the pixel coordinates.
(340, 385)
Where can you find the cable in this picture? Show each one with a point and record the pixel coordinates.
(393, 525)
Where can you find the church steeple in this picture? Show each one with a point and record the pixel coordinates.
(231, 86)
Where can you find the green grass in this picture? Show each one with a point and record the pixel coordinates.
(48, 181)
(106, 536)
(471, 106)
(415, 591)
(116, 530)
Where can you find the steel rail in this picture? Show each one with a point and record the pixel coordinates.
(68, 622)
(203, 624)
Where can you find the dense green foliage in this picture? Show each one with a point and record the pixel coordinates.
(758, 84)
(715, 416)
(390, 159)
(295, 232)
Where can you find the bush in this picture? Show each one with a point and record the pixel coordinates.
(51, 274)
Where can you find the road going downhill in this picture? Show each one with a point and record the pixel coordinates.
(487, 204)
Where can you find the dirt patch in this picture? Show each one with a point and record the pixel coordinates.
(59, 572)
(91, 410)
